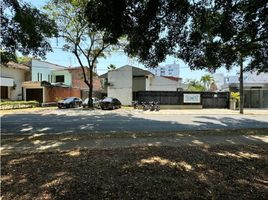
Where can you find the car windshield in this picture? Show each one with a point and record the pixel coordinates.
(69, 99)
(107, 99)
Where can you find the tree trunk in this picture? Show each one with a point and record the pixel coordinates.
(90, 93)
(241, 87)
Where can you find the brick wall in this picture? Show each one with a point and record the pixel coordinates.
(78, 79)
(53, 94)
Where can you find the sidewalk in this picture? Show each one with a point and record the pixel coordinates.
(209, 111)
(130, 110)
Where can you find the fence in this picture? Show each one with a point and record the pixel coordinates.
(206, 99)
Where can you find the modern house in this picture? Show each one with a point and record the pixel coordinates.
(121, 83)
(12, 76)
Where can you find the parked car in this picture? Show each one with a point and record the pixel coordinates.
(96, 102)
(70, 102)
(110, 103)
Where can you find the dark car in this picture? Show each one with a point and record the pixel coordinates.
(96, 102)
(110, 103)
(70, 102)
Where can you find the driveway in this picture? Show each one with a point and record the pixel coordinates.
(54, 121)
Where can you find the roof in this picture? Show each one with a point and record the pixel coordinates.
(135, 71)
(172, 78)
(54, 66)
(14, 65)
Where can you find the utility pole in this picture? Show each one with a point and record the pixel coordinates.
(241, 86)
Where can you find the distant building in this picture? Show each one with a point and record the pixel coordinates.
(167, 70)
(219, 80)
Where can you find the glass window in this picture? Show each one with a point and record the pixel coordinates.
(60, 78)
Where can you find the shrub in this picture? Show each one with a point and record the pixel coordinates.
(17, 104)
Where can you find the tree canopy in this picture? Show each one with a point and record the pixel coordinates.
(206, 34)
(24, 29)
(80, 38)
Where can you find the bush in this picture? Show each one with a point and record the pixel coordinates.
(17, 104)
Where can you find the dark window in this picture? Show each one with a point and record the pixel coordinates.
(38, 76)
(41, 76)
(48, 78)
(60, 78)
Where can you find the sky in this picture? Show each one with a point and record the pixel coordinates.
(118, 58)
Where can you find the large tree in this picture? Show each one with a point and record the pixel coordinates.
(206, 34)
(24, 29)
(81, 39)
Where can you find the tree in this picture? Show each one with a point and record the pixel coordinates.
(194, 85)
(207, 80)
(111, 67)
(24, 29)
(206, 34)
(80, 38)
(151, 26)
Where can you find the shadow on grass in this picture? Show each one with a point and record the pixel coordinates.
(189, 172)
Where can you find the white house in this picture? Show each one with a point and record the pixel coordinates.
(12, 76)
(163, 83)
(42, 70)
(122, 82)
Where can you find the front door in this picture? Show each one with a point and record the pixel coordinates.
(4, 92)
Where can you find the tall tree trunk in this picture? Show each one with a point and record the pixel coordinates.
(241, 87)
(90, 93)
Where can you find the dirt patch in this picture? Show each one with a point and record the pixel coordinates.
(192, 172)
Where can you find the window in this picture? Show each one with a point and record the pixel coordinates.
(60, 78)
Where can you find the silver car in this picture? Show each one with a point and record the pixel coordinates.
(96, 102)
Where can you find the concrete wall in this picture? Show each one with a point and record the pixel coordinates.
(120, 87)
(65, 73)
(54, 94)
(139, 84)
(158, 83)
(18, 76)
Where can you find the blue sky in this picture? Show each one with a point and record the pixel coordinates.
(117, 58)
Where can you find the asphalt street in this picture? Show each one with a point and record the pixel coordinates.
(65, 121)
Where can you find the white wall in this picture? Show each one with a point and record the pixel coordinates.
(121, 84)
(18, 77)
(167, 70)
(158, 83)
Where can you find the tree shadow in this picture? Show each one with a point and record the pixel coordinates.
(189, 172)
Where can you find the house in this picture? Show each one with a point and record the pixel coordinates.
(255, 88)
(12, 76)
(121, 83)
(163, 83)
(50, 82)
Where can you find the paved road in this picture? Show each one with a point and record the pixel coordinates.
(78, 121)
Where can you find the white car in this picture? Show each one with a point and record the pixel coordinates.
(96, 102)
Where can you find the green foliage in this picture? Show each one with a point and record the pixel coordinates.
(80, 38)
(235, 96)
(24, 29)
(194, 85)
(111, 67)
(24, 60)
(5, 105)
(205, 34)
(207, 80)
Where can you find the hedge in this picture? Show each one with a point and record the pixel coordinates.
(17, 104)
